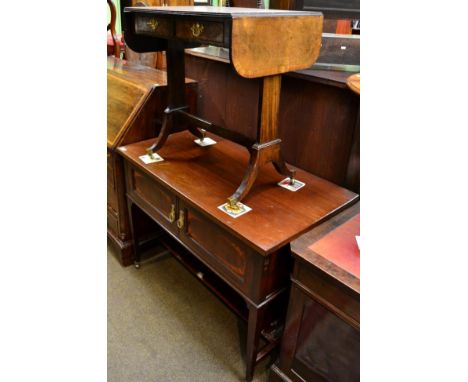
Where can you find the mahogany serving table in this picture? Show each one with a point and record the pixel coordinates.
(244, 260)
(262, 44)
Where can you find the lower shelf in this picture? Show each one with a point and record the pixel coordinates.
(208, 278)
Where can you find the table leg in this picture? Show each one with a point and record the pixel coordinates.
(136, 247)
(253, 336)
(268, 146)
(259, 156)
(175, 57)
(280, 166)
(163, 134)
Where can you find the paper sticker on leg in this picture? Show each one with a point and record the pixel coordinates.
(239, 210)
(291, 185)
(205, 142)
(151, 158)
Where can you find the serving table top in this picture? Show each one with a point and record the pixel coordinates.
(203, 176)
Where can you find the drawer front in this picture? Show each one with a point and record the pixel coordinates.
(204, 31)
(156, 200)
(222, 252)
(154, 26)
(345, 303)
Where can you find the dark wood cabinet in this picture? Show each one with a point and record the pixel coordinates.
(136, 99)
(321, 337)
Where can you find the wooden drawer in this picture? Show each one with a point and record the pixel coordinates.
(343, 302)
(154, 26)
(221, 251)
(156, 200)
(206, 31)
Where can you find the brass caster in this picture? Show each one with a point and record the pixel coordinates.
(232, 205)
(136, 264)
(291, 179)
(150, 153)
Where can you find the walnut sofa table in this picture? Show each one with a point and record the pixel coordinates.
(262, 43)
(246, 260)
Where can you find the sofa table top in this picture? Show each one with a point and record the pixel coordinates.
(262, 42)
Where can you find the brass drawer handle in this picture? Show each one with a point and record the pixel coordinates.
(172, 214)
(197, 29)
(180, 221)
(153, 23)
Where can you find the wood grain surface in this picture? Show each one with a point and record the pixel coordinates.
(206, 176)
(262, 42)
(129, 87)
(266, 46)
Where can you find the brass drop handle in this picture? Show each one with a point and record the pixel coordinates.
(197, 29)
(172, 214)
(153, 23)
(181, 220)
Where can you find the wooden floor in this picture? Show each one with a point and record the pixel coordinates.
(163, 325)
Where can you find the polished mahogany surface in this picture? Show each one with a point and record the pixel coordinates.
(294, 36)
(278, 215)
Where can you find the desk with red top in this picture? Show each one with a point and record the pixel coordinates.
(245, 261)
(321, 336)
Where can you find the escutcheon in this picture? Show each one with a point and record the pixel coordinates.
(153, 23)
(172, 214)
(197, 29)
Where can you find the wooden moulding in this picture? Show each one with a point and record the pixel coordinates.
(274, 45)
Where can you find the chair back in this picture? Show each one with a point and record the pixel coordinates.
(115, 49)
